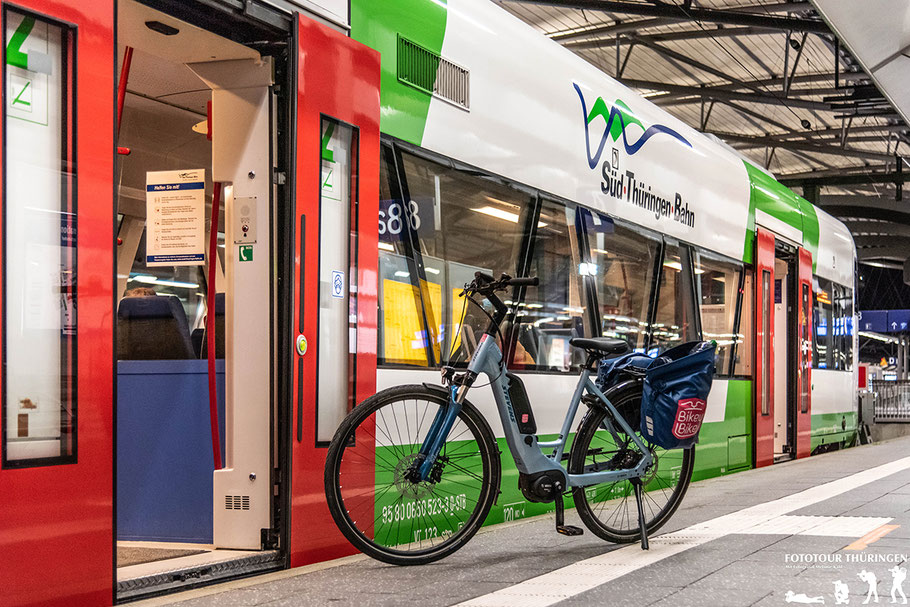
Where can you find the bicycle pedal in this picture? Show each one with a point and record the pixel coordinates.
(570, 530)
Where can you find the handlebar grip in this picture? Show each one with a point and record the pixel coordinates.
(525, 282)
(484, 277)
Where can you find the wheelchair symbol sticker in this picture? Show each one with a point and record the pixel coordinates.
(337, 284)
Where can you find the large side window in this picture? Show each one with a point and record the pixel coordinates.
(39, 244)
(745, 334)
(674, 320)
(843, 327)
(553, 312)
(461, 223)
(621, 264)
(717, 290)
(402, 333)
(823, 323)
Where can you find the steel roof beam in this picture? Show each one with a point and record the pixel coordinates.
(705, 15)
(833, 150)
(716, 93)
(699, 34)
(641, 24)
(837, 180)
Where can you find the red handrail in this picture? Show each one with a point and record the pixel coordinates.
(210, 327)
(121, 87)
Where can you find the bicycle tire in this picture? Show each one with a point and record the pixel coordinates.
(437, 505)
(619, 523)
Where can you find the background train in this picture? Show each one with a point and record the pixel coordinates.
(300, 136)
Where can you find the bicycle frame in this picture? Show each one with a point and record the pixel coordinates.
(526, 450)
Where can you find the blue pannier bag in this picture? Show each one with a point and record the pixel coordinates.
(675, 394)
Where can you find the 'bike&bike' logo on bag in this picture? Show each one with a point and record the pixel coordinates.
(689, 413)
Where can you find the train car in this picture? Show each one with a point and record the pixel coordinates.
(224, 224)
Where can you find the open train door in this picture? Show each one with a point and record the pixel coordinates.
(764, 345)
(336, 256)
(804, 356)
(56, 474)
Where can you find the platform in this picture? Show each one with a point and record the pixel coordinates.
(740, 540)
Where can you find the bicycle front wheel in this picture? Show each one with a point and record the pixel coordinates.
(609, 509)
(377, 507)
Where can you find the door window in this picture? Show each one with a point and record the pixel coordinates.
(337, 275)
(765, 342)
(39, 244)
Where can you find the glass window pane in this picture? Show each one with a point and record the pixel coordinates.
(717, 282)
(621, 262)
(553, 312)
(766, 341)
(745, 333)
(39, 287)
(337, 273)
(803, 358)
(674, 322)
(402, 337)
(823, 342)
(463, 223)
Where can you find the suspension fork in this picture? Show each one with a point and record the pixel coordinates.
(436, 435)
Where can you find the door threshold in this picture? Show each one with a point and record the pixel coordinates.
(782, 457)
(143, 580)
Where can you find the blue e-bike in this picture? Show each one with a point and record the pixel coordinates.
(412, 472)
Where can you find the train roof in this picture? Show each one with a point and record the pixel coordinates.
(510, 101)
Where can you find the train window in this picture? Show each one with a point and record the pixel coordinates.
(674, 321)
(621, 263)
(402, 336)
(823, 356)
(843, 327)
(463, 223)
(766, 342)
(742, 365)
(552, 313)
(337, 272)
(717, 288)
(39, 248)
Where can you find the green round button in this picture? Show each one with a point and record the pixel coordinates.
(301, 345)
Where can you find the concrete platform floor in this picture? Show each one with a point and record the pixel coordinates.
(775, 536)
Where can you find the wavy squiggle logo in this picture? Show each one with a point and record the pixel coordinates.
(617, 119)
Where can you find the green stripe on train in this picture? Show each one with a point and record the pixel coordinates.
(778, 201)
(377, 24)
(723, 448)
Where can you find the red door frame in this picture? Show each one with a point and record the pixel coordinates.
(804, 357)
(57, 540)
(337, 78)
(764, 370)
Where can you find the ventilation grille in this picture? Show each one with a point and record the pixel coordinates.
(425, 70)
(236, 502)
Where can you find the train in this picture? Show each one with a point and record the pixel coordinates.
(225, 224)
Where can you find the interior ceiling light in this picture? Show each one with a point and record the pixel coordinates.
(162, 28)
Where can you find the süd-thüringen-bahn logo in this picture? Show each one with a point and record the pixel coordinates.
(624, 185)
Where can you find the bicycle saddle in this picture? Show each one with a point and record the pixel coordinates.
(601, 345)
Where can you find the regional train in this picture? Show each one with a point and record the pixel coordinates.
(224, 224)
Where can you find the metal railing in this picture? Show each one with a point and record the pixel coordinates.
(891, 400)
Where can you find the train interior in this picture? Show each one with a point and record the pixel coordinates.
(194, 474)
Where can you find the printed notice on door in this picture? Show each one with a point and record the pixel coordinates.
(175, 218)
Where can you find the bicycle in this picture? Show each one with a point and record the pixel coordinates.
(413, 471)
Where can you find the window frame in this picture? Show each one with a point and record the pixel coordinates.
(741, 268)
(70, 191)
(392, 151)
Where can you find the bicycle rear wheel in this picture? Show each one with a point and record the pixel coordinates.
(389, 517)
(609, 509)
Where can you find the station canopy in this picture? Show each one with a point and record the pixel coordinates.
(768, 77)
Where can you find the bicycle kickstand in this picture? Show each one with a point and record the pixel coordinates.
(643, 529)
